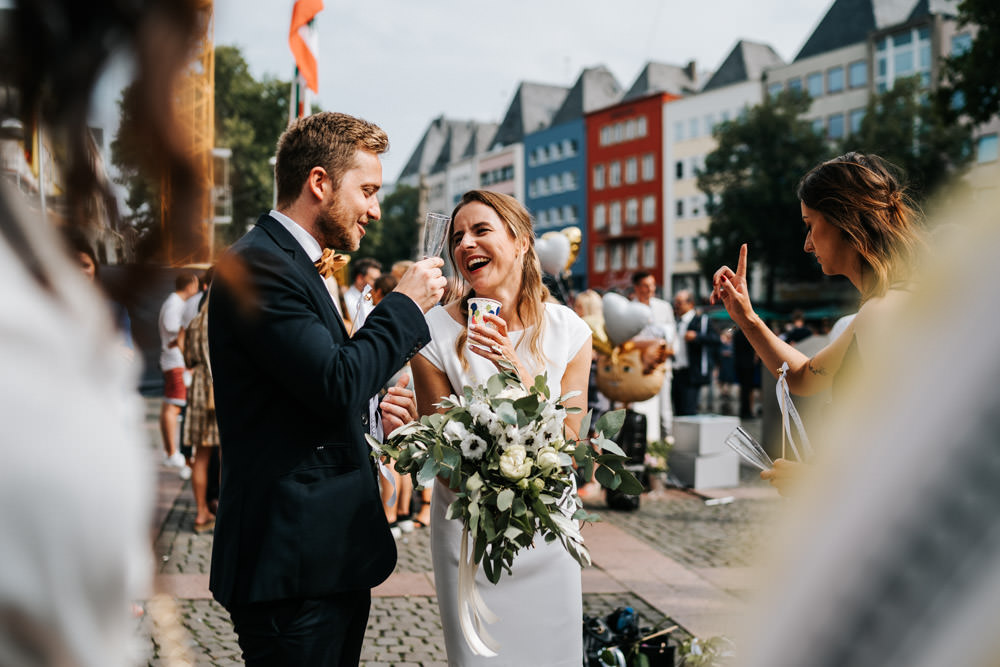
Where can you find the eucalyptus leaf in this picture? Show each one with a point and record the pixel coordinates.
(505, 499)
(454, 510)
(512, 532)
(495, 384)
(507, 413)
(427, 473)
(610, 423)
(629, 484)
(489, 527)
(610, 446)
(518, 507)
(605, 476)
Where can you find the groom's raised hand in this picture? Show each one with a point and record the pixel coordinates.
(398, 406)
(424, 283)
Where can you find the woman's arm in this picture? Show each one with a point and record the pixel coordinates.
(805, 375)
(430, 384)
(576, 378)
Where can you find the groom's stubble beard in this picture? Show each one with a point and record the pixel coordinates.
(336, 229)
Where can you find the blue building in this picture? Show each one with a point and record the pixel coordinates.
(555, 169)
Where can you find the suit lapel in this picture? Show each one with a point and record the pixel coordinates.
(306, 269)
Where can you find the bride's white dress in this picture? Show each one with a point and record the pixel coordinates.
(540, 605)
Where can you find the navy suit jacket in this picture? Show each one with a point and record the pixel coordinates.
(299, 509)
(701, 350)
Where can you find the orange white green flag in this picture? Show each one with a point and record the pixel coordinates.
(304, 43)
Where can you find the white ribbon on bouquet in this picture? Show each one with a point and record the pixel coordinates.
(473, 614)
(788, 410)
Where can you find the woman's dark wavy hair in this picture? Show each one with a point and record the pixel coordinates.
(862, 196)
(58, 51)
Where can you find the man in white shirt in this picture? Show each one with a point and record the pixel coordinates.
(658, 410)
(172, 364)
(364, 273)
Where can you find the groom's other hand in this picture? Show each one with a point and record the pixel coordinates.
(424, 283)
(398, 406)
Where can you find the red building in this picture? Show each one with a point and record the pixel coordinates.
(625, 190)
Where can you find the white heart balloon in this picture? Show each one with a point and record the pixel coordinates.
(623, 319)
(553, 252)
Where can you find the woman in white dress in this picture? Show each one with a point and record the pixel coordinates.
(492, 245)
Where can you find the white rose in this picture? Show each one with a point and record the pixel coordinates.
(547, 459)
(514, 463)
(513, 392)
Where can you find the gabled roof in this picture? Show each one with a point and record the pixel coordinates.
(850, 21)
(531, 110)
(595, 88)
(445, 141)
(746, 62)
(663, 78)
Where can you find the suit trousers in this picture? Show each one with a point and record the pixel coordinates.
(325, 632)
(685, 394)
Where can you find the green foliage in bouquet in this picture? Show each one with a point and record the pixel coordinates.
(504, 450)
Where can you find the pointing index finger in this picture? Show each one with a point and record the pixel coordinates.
(741, 268)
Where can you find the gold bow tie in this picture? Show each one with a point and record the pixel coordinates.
(330, 262)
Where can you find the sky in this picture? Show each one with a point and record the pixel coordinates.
(402, 63)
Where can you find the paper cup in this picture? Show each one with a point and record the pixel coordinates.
(479, 307)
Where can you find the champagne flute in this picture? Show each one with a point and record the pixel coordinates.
(744, 444)
(433, 233)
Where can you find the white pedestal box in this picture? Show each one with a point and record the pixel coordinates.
(700, 435)
(706, 472)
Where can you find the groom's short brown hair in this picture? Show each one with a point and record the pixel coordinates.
(328, 140)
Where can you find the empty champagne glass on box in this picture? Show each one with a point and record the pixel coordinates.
(743, 444)
(432, 236)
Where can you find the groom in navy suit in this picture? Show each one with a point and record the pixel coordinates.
(301, 538)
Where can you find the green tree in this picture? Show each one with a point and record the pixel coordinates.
(394, 237)
(249, 117)
(750, 179)
(973, 88)
(901, 126)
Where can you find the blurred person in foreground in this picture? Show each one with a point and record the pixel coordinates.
(300, 536)
(890, 557)
(74, 548)
(859, 225)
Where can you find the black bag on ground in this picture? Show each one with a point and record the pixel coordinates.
(615, 641)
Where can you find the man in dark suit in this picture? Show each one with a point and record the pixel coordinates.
(300, 537)
(693, 350)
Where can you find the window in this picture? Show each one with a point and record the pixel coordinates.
(679, 169)
(641, 129)
(555, 216)
(543, 187)
(599, 216)
(533, 189)
(857, 74)
(569, 180)
(615, 174)
(695, 166)
(616, 258)
(724, 116)
(619, 133)
(542, 218)
(649, 208)
(795, 84)
(599, 177)
(605, 135)
(649, 253)
(679, 252)
(631, 170)
(632, 255)
(856, 116)
(819, 126)
(835, 79)
(775, 89)
(678, 131)
(532, 159)
(600, 259)
(903, 54)
(987, 148)
(569, 147)
(615, 218)
(630, 130)
(961, 43)
(648, 167)
(632, 212)
(814, 84)
(835, 126)
(693, 128)
(680, 208)
(569, 213)
(555, 183)
(695, 204)
(709, 123)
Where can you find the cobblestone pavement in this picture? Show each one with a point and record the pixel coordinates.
(405, 629)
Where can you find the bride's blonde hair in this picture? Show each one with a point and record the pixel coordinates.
(530, 305)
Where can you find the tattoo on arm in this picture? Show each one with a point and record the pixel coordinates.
(815, 370)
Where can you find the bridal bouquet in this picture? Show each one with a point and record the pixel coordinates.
(503, 448)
